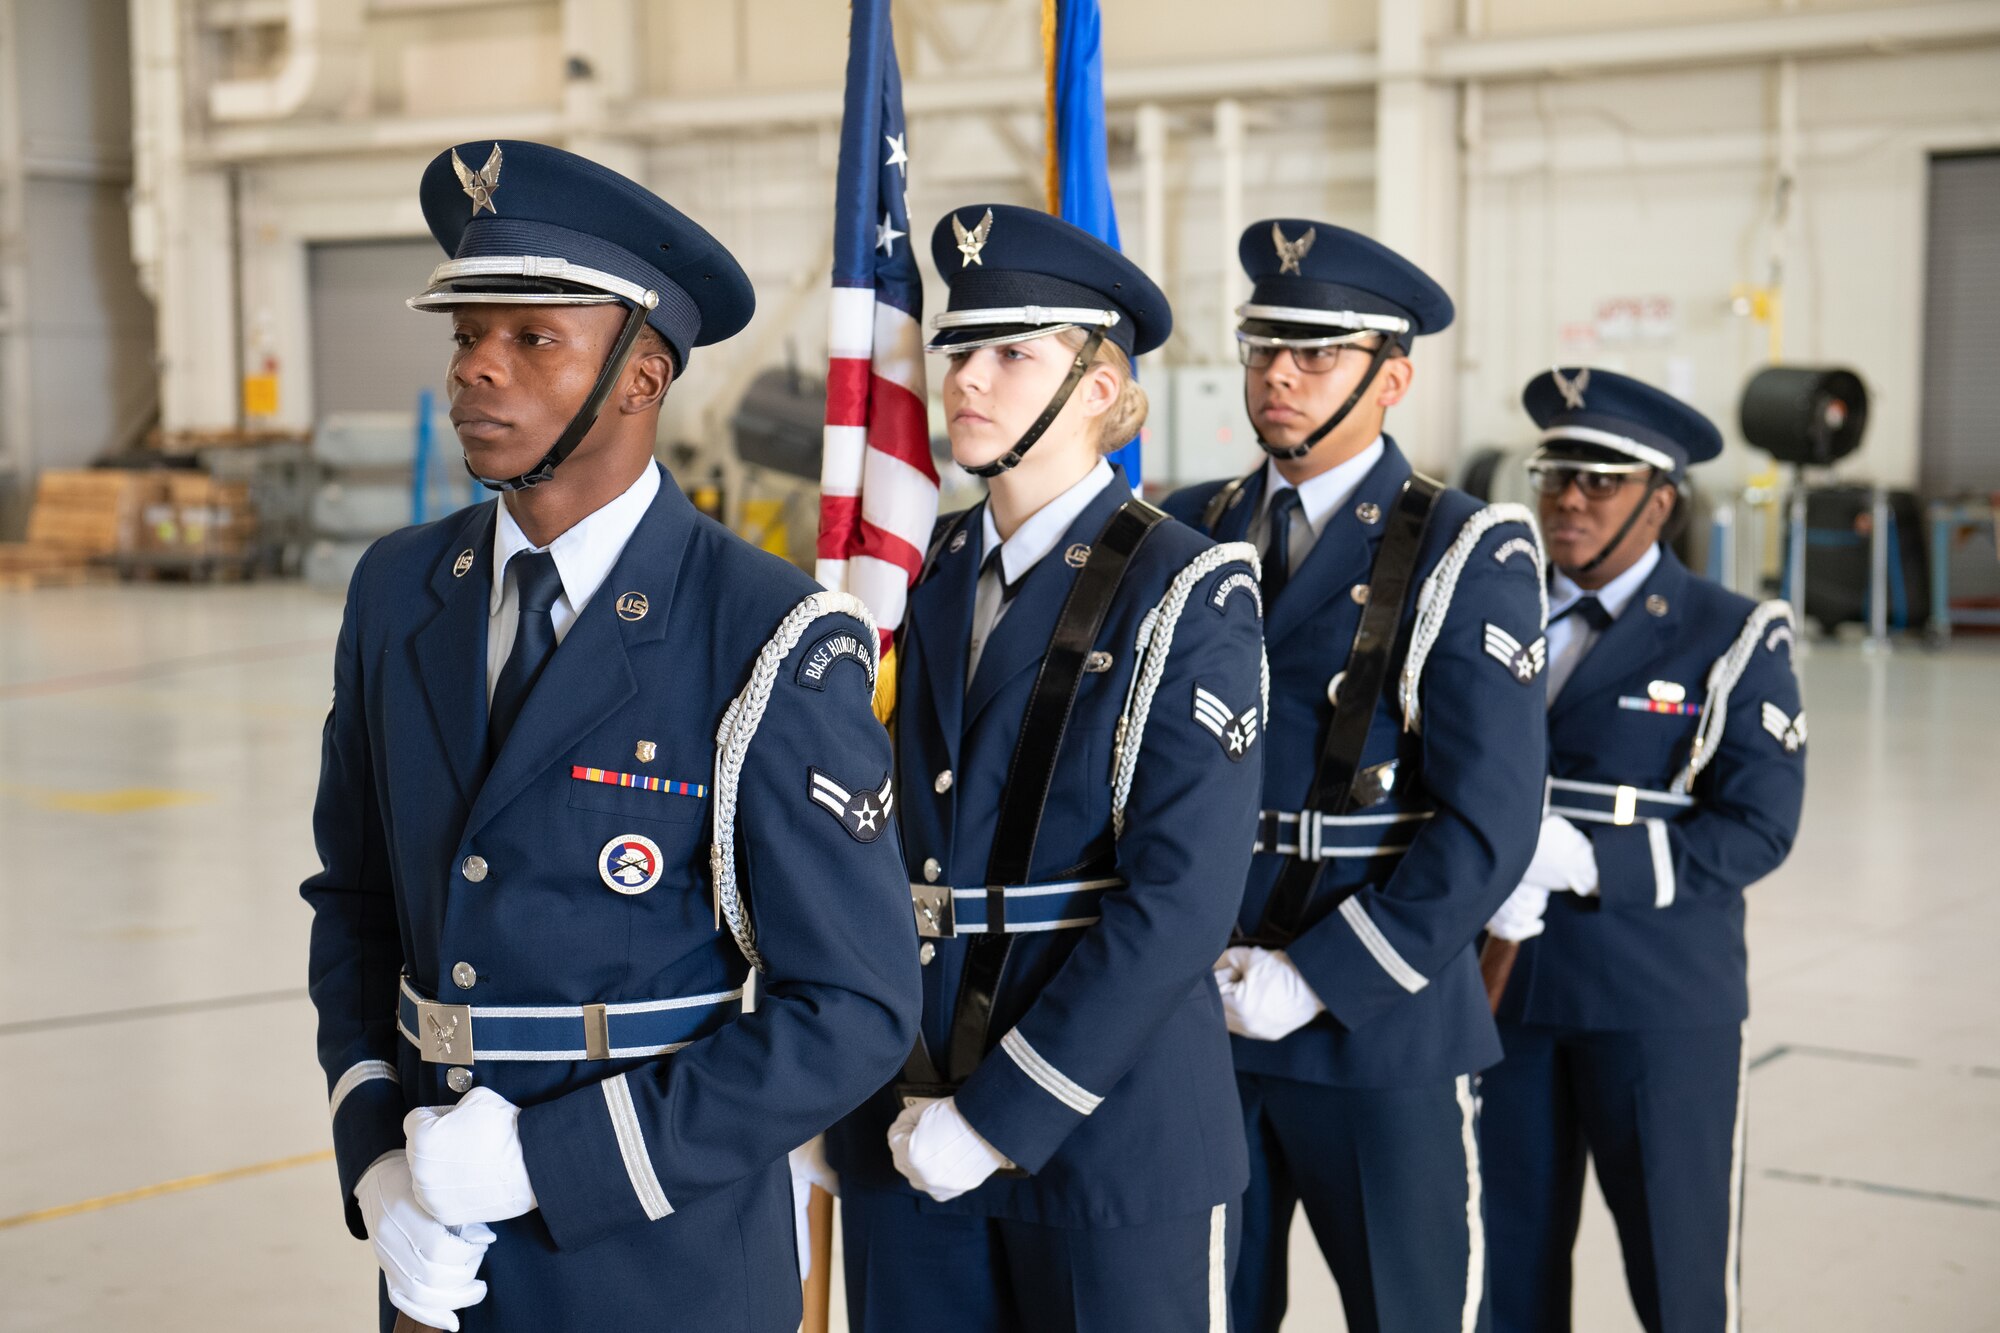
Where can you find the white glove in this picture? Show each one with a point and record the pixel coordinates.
(466, 1159)
(1520, 917)
(1565, 860)
(430, 1268)
(1264, 997)
(939, 1151)
(809, 1168)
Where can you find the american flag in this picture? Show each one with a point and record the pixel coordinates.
(878, 487)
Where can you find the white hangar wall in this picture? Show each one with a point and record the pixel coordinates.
(1598, 190)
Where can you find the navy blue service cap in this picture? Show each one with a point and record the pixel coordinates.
(1314, 281)
(1592, 414)
(528, 224)
(1016, 273)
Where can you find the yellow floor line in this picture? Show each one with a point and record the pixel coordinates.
(164, 1187)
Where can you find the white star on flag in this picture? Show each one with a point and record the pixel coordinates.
(899, 156)
(886, 235)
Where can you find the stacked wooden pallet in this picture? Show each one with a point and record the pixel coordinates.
(79, 519)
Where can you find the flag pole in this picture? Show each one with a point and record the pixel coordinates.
(1051, 153)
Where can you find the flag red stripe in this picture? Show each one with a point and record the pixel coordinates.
(847, 385)
(899, 425)
(887, 546)
(839, 520)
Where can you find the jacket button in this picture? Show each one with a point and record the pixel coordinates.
(932, 870)
(473, 868)
(1359, 592)
(459, 1080)
(942, 783)
(925, 954)
(464, 975)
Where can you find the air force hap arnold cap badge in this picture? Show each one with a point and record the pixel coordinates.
(535, 225)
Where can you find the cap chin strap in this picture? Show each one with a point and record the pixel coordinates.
(1305, 446)
(1008, 461)
(1653, 483)
(586, 416)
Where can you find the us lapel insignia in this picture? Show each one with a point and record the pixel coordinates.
(864, 814)
(461, 565)
(957, 542)
(1076, 556)
(633, 606)
(1235, 732)
(644, 752)
(1526, 661)
(1656, 605)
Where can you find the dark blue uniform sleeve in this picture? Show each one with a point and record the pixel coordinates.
(1485, 754)
(1749, 799)
(837, 1006)
(356, 953)
(1190, 823)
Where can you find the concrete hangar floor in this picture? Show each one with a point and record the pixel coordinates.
(163, 1124)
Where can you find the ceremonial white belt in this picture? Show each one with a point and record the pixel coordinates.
(1313, 835)
(1613, 803)
(1019, 909)
(458, 1034)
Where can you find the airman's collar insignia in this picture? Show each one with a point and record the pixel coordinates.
(462, 564)
(480, 185)
(1292, 253)
(633, 606)
(970, 243)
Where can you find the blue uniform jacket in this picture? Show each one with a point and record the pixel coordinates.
(661, 1177)
(1112, 1082)
(1661, 946)
(1424, 870)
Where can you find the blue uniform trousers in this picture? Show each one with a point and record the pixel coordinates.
(998, 1275)
(1391, 1185)
(1661, 1114)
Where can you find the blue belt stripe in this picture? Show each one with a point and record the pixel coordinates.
(497, 1030)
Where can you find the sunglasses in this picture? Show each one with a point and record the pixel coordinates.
(1597, 481)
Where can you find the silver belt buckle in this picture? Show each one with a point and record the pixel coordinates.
(1625, 805)
(444, 1033)
(935, 918)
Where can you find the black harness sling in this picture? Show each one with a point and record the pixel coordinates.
(1339, 785)
(1029, 775)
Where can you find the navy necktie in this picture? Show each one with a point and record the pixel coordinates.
(1590, 611)
(537, 584)
(1278, 550)
(994, 566)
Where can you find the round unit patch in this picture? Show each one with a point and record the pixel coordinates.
(630, 863)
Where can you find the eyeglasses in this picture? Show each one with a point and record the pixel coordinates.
(1597, 481)
(1311, 360)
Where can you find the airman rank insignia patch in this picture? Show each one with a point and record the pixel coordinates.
(1235, 732)
(1788, 731)
(864, 814)
(630, 864)
(832, 649)
(1526, 661)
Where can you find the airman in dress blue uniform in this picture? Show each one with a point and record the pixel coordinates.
(1080, 726)
(1677, 769)
(1402, 787)
(571, 796)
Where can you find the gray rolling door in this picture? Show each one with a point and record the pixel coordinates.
(370, 352)
(1961, 413)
